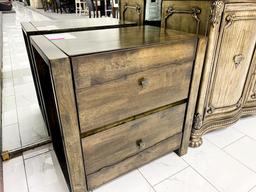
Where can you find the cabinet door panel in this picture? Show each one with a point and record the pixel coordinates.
(233, 59)
(251, 97)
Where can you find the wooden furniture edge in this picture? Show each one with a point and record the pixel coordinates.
(194, 90)
(1, 81)
(240, 7)
(30, 29)
(60, 68)
(27, 27)
(208, 68)
(68, 117)
(46, 49)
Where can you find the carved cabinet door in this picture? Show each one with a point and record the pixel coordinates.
(251, 97)
(232, 61)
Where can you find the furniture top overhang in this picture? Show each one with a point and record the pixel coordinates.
(98, 41)
(58, 26)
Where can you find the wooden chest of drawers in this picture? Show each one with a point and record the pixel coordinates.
(61, 26)
(118, 98)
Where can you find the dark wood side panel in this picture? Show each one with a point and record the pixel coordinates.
(60, 69)
(134, 94)
(61, 72)
(193, 93)
(114, 145)
(92, 70)
(1, 55)
(156, 151)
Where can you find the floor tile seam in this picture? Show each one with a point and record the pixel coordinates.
(26, 175)
(246, 134)
(252, 188)
(17, 111)
(227, 144)
(243, 164)
(237, 160)
(39, 154)
(146, 180)
(207, 180)
(172, 175)
(215, 187)
(5, 110)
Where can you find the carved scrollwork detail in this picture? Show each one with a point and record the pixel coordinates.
(239, 104)
(198, 121)
(194, 12)
(216, 12)
(238, 59)
(210, 110)
(253, 96)
(230, 20)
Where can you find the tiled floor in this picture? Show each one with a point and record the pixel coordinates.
(226, 162)
(22, 121)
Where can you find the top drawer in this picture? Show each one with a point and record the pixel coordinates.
(130, 83)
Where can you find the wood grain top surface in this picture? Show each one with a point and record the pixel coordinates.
(97, 41)
(72, 24)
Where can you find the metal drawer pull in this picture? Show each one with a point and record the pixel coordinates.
(194, 12)
(143, 82)
(136, 8)
(140, 144)
(238, 59)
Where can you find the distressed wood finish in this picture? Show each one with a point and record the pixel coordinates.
(60, 71)
(108, 147)
(104, 104)
(250, 102)
(135, 11)
(228, 69)
(1, 64)
(186, 22)
(193, 95)
(118, 105)
(91, 71)
(147, 155)
(58, 26)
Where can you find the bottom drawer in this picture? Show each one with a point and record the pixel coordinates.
(115, 145)
(108, 173)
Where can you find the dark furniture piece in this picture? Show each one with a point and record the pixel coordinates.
(50, 27)
(6, 5)
(117, 99)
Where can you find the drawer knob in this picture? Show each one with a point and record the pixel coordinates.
(141, 144)
(143, 82)
(253, 96)
(238, 59)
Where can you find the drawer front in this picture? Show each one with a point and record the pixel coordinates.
(132, 95)
(104, 175)
(97, 69)
(114, 145)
